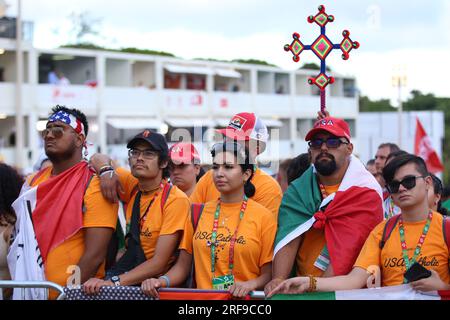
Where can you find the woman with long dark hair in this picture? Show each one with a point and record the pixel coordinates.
(232, 243)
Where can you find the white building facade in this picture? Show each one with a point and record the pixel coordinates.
(123, 93)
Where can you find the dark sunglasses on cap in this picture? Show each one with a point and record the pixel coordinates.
(332, 143)
(408, 182)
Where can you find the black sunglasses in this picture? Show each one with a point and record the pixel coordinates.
(332, 143)
(408, 182)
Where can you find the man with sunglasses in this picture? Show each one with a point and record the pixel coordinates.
(248, 130)
(156, 211)
(326, 214)
(71, 220)
(400, 250)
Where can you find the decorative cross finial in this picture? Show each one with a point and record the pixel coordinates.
(322, 48)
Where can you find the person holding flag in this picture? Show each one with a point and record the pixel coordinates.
(415, 240)
(63, 222)
(326, 214)
(249, 130)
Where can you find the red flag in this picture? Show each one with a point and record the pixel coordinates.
(58, 213)
(424, 149)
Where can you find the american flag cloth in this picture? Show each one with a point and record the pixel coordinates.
(69, 119)
(135, 293)
(107, 293)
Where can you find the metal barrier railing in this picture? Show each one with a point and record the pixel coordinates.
(33, 284)
(62, 295)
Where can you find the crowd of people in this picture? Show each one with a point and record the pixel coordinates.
(326, 222)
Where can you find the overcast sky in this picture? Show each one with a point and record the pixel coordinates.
(413, 34)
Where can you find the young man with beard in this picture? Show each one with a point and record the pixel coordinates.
(71, 221)
(326, 214)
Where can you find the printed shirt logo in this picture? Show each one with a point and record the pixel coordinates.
(237, 122)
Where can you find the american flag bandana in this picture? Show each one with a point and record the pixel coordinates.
(69, 119)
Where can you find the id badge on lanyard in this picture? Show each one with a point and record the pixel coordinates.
(223, 282)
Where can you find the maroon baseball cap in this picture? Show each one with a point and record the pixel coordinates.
(184, 153)
(335, 126)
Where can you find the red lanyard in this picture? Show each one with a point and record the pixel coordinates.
(213, 243)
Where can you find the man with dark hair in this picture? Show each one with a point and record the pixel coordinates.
(383, 152)
(156, 211)
(416, 237)
(68, 212)
(326, 215)
(390, 209)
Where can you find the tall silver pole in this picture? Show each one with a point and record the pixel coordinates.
(20, 143)
(400, 112)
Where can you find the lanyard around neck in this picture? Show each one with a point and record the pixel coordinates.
(418, 249)
(143, 218)
(213, 243)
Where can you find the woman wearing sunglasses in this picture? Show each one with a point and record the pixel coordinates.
(415, 235)
(232, 243)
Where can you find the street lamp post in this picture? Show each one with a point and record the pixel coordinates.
(20, 145)
(399, 80)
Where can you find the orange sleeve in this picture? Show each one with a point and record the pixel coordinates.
(269, 195)
(199, 194)
(176, 211)
(188, 235)
(268, 232)
(370, 254)
(99, 211)
(128, 183)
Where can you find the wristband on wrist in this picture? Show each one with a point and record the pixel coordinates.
(165, 278)
(105, 169)
(312, 283)
(111, 173)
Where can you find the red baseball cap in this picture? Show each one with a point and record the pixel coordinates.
(245, 126)
(184, 153)
(335, 126)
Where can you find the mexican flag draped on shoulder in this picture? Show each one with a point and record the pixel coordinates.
(347, 216)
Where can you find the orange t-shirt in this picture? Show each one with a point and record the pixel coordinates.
(99, 213)
(253, 246)
(311, 246)
(434, 254)
(268, 191)
(156, 223)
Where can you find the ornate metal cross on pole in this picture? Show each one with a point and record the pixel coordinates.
(321, 48)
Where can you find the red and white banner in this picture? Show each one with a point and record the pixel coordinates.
(424, 149)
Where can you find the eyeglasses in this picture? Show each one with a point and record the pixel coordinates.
(57, 132)
(332, 143)
(146, 154)
(408, 182)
